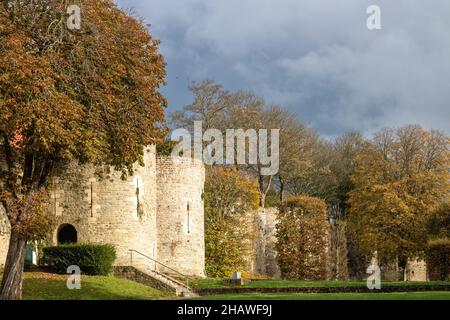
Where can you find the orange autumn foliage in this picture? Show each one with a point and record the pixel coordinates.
(302, 233)
(401, 178)
(89, 95)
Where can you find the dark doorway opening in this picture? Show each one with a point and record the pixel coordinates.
(67, 234)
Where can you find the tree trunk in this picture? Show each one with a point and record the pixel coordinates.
(263, 190)
(262, 200)
(11, 288)
(281, 190)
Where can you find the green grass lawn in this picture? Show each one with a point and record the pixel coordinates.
(47, 286)
(219, 283)
(333, 296)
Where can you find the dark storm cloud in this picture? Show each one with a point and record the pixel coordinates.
(315, 57)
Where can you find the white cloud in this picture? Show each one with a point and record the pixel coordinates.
(314, 56)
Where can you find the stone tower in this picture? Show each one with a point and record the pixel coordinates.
(157, 212)
(180, 217)
(111, 211)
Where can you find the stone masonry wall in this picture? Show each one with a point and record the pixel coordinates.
(112, 210)
(4, 237)
(416, 270)
(264, 259)
(180, 219)
(126, 213)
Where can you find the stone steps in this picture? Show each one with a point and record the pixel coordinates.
(181, 289)
(154, 279)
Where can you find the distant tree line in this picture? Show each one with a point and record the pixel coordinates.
(383, 195)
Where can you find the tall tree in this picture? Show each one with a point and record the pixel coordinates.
(89, 95)
(401, 178)
(211, 104)
(222, 110)
(326, 173)
(229, 196)
(439, 223)
(313, 176)
(344, 152)
(338, 252)
(295, 145)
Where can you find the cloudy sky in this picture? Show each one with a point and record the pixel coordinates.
(315, 57)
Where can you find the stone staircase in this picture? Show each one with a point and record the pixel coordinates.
(146, 274)
(154, 279)
(181, 289)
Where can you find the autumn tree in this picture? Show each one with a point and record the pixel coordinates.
(344, 151)
(229, 196)
(220, 109)
(89, 95)
(325, 171)
(338, 251)
(439, 222)
(294, 140)
(302, 236)
(313, 176)
(295, 145)
(400, 179)
(210, 105)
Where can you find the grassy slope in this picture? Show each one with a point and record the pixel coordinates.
(218, 283)
(333, 296)
(46, 286)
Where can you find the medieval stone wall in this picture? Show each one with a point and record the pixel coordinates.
(264, 259)
(180, 219)
(4, 237)
(416, 270)
(110, 210)
(126, 213)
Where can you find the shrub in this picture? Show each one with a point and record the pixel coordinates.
(91, 258)
(438, 259)
(302, 234)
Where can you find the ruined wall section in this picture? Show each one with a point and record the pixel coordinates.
(416, 270)
(263, 261)
(180, 219)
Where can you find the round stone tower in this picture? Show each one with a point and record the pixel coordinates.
(109, 210)
(180, 218)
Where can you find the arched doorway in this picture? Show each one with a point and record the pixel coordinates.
(67, 234)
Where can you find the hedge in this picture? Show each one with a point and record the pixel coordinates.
(301, 238)
(438, 259)
(91, 258)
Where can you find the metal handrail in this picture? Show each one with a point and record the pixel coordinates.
(159, 263)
